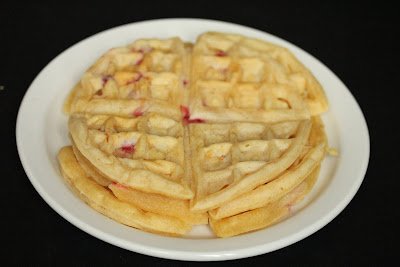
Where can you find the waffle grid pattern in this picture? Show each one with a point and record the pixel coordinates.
(231, 151)
(149, 142)
(248, 76)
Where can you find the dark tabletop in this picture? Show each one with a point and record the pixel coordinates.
(357, 42)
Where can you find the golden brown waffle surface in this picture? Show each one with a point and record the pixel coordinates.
(145, 76)
(239, 78)
(167, 135)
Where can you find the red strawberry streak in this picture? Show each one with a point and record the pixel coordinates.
(196, 121)
(120, 186)
(185, 111)
(128, 149)
(105, 79)
(186, 116)
(138, 77)
(138, 112)
(220, 54)
(139, 61)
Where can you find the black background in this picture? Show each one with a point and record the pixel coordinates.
(357, 42)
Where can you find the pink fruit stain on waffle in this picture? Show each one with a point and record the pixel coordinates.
(185, 82)
(186, 117)
(128, 149)
(143, 50)
(185, 111)
(139, 61)
(196, 121)
(136, 79)
(120, 186)
(220, 54)
(138, 112)
(105, 79)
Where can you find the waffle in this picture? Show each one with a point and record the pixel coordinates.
(146, 76)
(166, 135)
(238, 157)
(88, 167)
(155, 203)
(106, 203)
(265, 216)
(312, 155)
(145, 153)
(159, 204)
(244, 79)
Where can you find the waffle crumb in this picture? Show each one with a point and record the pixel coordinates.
(333, 151)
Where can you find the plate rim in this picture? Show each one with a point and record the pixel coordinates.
(188, 255)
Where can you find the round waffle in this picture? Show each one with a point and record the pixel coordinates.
(166, 134)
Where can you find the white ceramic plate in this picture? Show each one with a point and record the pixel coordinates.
(42, 130)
